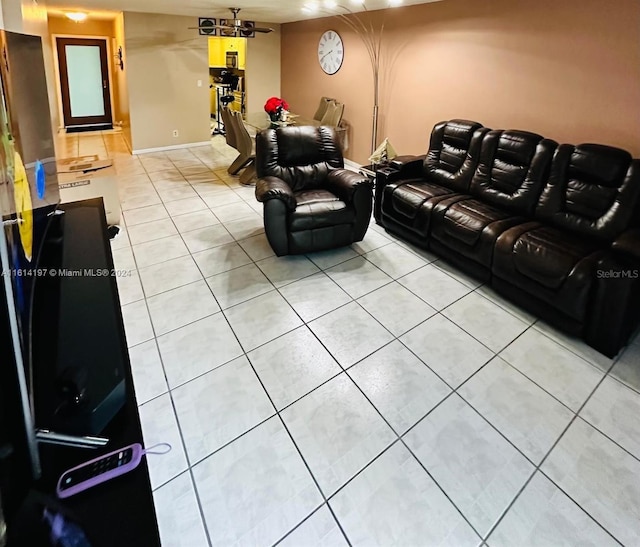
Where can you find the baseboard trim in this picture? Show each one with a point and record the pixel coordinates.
(171, 147)
(351, 165)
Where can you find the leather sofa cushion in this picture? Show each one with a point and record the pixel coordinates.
(307, 197)
(512, 169)
(465, 220)
(318, 209)
(553, 265)
(406, 198)
(548, 256)
(469, 227)
(453, 153)
(592, 190)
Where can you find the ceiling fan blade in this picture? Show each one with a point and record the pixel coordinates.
(248, 27)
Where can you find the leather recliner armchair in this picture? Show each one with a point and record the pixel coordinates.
(311, 203)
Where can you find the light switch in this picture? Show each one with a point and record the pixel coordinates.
(199, 83)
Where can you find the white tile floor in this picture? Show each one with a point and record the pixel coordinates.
(369, 395)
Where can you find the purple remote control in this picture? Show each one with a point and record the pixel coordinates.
(99, 470)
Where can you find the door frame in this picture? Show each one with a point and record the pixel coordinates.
(58, 79)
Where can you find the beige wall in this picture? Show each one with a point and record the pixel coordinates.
(569, 70)
(12, 15)
(263, 67)
(164, 61)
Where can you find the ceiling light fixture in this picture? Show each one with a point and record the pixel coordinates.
(77, 16)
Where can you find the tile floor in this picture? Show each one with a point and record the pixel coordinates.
(369, 395)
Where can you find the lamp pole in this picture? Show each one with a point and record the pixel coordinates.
(372, 39)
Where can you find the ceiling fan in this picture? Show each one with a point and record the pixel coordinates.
(229, 27)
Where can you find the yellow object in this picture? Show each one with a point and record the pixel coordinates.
(218, 47)
(24, 207)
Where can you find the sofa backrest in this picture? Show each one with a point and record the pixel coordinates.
(592, 190)
(513, 167)
(453, 153)
(302, 156)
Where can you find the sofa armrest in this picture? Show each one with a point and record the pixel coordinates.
(628, 243)
(344, 183)
(614, 308)
(400, 163)
(274, 188)
(401, 167)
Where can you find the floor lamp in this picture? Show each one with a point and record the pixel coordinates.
(371, 37)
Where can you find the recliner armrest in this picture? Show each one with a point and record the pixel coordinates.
(344, 183)
(401, 167)
(406, 162)
(274, 188)
(628, 243)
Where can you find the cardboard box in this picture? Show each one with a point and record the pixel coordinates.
(88, 177)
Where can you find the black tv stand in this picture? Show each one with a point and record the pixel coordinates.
(120, 512)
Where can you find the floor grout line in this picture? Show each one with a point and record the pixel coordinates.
(305, 324)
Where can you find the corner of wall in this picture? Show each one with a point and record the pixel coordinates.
(167, 69)
(122, 113)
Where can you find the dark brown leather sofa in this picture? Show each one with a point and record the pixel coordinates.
(554, 228)
(311, 203)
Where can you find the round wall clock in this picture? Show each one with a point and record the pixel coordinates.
(330, 52)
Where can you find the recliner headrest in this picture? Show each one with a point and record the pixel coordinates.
(599, 164)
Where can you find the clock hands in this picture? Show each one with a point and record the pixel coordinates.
(328, 52)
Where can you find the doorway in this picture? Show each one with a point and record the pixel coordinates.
(84, 84)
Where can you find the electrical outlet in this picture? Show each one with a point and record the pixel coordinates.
(175, 132)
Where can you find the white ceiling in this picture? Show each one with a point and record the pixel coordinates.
(280, 11)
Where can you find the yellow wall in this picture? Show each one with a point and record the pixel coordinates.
(218, 46)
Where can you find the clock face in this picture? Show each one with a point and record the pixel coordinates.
(330, 52)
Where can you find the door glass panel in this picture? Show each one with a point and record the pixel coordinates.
(84, 71)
